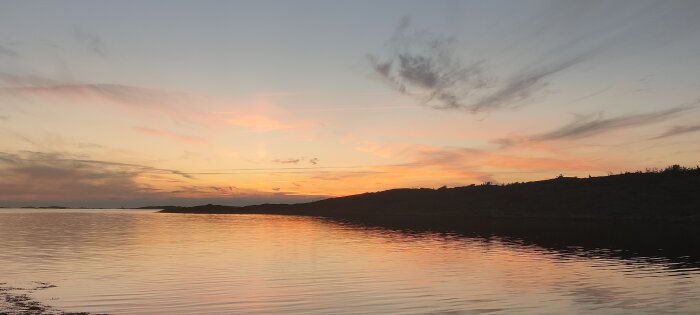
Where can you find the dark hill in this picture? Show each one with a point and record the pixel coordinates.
(669, 195)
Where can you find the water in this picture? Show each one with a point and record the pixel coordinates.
(141, 262)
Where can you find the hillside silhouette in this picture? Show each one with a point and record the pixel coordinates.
(671, 194)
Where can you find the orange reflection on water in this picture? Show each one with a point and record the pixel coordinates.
(136, 262)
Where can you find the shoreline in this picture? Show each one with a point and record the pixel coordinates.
(671, 196)
(18, 301)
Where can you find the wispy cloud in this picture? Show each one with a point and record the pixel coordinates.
(522, 86)
(348, 109)
(586, 126)
(214, 191)
(426, 67)
(92, 41)
(287, 161)
(9, 80)
(122, 94)
(444, 72)
(137, 100)
(259, 123)
(434, 166)
(678, 130)
(295, 161)
(57, 176)
(171, 135)
(39, 178)
(429, 68)
(8, 52)
(591, 125)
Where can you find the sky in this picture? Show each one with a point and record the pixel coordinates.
(134, 103)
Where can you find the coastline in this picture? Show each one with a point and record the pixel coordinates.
(18, 301)
(671, 196)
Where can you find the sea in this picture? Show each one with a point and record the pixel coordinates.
(121, 261)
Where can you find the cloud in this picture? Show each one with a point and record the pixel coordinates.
(259, 123)
(348, 109)
(423, 163)
(521, 86)
(435, 166)
(9, 80)
(92, 41)
(427, 68)
(590, 125)
(31, 176)
(45, 178)
(171, 135)
(8, 52)
(424, 167)
(678, 130)
(137, 100)
(444, 156)
(348, 176)
(470, 161)
(193, 190)
(287, 161)
(531, 50)
(122, 94)
(295, 161)
(586, 126)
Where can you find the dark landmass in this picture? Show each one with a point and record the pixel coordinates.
(155, 207)
(670, 195)
(652, 216)
(47, 207)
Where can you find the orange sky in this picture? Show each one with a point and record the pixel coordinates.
(181, 108)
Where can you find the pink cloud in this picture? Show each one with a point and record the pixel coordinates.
(259, 123)
(135, 100)
(171, 135)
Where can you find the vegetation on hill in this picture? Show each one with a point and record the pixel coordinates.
(671, 194)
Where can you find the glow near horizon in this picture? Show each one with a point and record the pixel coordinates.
(130, 103)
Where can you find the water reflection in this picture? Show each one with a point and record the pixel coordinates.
(133, 262)
(677, 246)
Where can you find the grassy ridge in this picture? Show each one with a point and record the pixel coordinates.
(672, 194)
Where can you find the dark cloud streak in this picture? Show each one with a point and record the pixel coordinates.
(678, 130)
(287, 161)
(591, 125)
(586, 126)
(295, 161)
(53, 158)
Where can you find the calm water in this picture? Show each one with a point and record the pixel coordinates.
(140, 262)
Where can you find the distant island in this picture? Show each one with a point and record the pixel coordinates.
(666, 195)
(46, 207)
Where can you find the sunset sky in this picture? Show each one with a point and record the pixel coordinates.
(133, 103)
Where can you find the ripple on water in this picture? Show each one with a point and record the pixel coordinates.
(139, 262)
